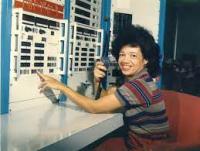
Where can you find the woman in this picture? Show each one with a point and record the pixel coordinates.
(143, 106)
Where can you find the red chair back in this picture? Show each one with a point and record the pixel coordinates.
(184, 117)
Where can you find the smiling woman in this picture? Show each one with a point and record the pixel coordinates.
(131, 61)
(143, 40)
(143, 106)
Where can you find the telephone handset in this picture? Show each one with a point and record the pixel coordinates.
(115, 72)
(107, 63)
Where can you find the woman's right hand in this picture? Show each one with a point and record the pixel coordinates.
(49, 82)
(99, 71)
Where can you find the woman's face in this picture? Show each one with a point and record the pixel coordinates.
(131, 60)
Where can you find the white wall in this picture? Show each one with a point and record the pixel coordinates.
(145, 12)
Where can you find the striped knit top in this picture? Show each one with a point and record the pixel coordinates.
(145, 113)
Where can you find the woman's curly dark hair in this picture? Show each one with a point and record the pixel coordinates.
(137, 36)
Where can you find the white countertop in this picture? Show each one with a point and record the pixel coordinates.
(54, 127)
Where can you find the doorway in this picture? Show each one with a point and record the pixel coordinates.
(181, 65)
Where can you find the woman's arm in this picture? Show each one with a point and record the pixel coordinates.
(103, 105)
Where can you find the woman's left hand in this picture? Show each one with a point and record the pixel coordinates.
(48, 82)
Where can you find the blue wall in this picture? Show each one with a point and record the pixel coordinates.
(66, 16)
(105, 24)
(5, 53)
(162, 31)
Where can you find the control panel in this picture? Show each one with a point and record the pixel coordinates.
(86, 12)
(38, 43)
(85, 46)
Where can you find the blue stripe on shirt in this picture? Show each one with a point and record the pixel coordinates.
(144, 113)
(149, 121)
(123, 98)
(145, 97)
(157, 96)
